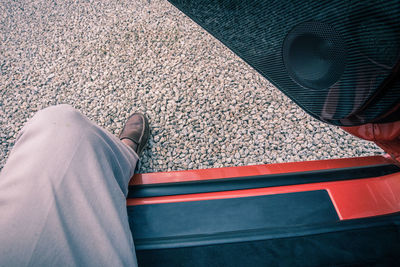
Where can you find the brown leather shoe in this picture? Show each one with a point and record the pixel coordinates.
(135, 133)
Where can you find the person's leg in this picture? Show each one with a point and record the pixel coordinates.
(63, 194)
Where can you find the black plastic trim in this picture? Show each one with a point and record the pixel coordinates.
(267, 233)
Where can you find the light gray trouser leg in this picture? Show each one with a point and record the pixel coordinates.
(63, 194)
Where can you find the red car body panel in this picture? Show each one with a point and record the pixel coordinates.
(353, 199)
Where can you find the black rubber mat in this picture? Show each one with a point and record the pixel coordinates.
(375, 246)
(296, 229)
(225, 220)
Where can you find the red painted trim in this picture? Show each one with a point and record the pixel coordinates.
(230, 172)
(352, 199)
(385, 135)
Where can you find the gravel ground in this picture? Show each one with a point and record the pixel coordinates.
(108, 58)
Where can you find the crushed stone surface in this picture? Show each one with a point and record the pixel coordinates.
(107, 59)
